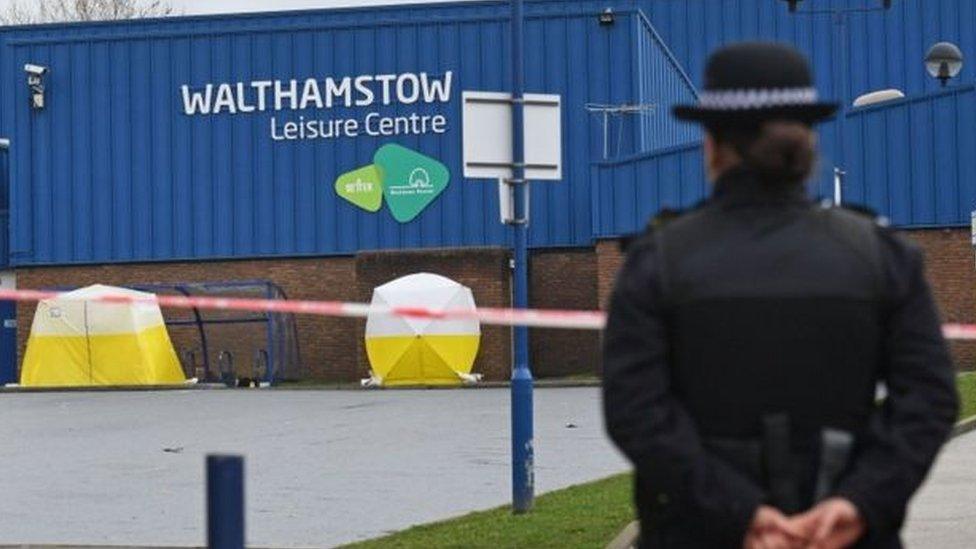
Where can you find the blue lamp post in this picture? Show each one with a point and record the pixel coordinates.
(523, 474)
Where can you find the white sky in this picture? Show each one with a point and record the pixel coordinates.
(191, 7)
(233, 6)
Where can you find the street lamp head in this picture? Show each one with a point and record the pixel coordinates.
(944, 61)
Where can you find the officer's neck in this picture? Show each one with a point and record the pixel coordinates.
(739, 182)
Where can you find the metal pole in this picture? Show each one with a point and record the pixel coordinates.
(271, 333)
(839, 17)
(972, 229)
(225, 502)
(838, 186)
(606, 136)
(523, 475)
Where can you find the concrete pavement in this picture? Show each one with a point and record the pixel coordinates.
(322, 467)
(943, 513)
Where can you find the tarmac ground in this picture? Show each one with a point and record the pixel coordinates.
(943, 513)
(321, 467)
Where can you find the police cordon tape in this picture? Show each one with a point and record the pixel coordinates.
(533, 318)
(959, 331)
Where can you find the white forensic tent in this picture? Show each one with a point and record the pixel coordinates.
(75, 341)
(422, 351)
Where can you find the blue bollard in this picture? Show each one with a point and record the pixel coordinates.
(523, 453)
(225, 502)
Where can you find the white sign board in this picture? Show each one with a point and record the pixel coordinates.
(8, 280)
(487, 136)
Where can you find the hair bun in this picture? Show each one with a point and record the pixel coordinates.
(783, 151)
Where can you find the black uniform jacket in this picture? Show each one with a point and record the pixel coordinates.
(760, 301)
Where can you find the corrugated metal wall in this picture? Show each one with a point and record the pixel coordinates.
(110, 173)
(629, 191)
(909, 160)
(886, 47)
(912, 161)
(883, 49)
(113, 171)
(915, 160)
(658, 88)
(4, 212)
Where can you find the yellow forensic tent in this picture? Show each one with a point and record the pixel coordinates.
(420, 351)
(78, 342)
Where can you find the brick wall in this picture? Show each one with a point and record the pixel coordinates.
(326, 343)
(574, 278)
(950, 267)
(564, 279)
(331, 348)
(951, 270)
(609, 260)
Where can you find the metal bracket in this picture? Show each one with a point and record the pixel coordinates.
(507, 188)
(512, 165)
(512, 101)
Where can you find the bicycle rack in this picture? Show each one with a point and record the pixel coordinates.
(259, 366)
(225, 363)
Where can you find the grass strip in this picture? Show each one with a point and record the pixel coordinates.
(966, 383)
(588, 515)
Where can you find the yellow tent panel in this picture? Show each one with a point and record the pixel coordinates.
(78, 342)
(426, 359)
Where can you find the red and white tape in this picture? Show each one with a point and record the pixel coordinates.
(533, 318)
(959, 331)
(580, 320)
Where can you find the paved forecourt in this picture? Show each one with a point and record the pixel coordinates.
(943, 513)
(322, 467)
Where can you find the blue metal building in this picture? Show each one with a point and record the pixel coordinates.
(906, 159)
(114, 169)
(166, 140)
(885, 48)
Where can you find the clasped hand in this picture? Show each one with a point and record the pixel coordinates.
(832, 524)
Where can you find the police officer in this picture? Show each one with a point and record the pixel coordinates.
(746, 338)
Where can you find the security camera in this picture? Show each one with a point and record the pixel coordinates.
(35, 84)
(36, 70)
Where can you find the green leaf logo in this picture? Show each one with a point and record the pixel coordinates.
(411, 181)
(362, 187)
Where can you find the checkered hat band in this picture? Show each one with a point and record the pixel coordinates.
(733, 100)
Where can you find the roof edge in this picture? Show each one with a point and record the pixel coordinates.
(298, 12)
(649, 28)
